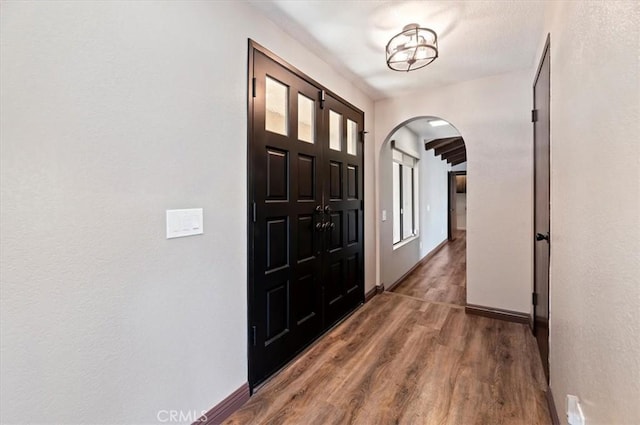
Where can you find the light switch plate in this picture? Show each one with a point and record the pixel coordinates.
(184, 222)
(384, 215)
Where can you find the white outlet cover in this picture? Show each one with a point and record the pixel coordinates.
(384, 215)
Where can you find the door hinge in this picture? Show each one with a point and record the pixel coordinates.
(322, 95)
(534, 298)
(362, 134)
(534, 115)
(253, 87)
(254, 212)
(253, 337)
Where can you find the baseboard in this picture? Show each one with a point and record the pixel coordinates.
(424, 259)
(378, 289)
(226, 407)
(555, 419)
(497, 313)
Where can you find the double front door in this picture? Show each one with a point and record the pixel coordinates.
(306, 212)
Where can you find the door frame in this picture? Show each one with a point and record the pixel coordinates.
(253, 47)
(534, 301)
(450, 179)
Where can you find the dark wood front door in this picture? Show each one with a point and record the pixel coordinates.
(541, 237)
(343, 200)
(305, 212)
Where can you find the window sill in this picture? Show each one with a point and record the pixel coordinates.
(405, 242)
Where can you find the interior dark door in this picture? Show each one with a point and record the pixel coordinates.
(541, 96)
(343, 262)
(453, 213)
(286, 174)
(305, 215)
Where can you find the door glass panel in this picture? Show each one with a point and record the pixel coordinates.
(335, 131)
(306, 130)
(277, 105)
(352, 134)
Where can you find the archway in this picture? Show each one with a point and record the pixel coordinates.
(419, 161)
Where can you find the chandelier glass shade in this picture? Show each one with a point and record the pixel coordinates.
(412, 49)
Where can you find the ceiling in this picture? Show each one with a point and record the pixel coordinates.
(442, 136)
(475, 38)
(426, 131)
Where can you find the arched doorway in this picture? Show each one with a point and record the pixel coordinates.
(421, 204)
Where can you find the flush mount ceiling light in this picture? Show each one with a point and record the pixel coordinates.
(412, 49)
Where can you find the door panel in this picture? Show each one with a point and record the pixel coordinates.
(306, 177)
(335, 180)
(344, 199)
(285, 292)
(305, 221)
(541, 240)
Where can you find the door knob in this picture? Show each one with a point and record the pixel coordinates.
(319, 227)
(327, 209)
(541, 237)
(318, 208)
(329, 225)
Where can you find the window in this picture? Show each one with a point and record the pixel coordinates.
(405, 196)
(335, 131)
(277, 105)
(306, 120)
(352, 136)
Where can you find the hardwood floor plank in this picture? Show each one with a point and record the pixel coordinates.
(443, 277)
(403, 360)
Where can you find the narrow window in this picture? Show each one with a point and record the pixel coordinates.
(352, 137)
(335, 131)
(306, 120)
(276, 107)
(405, 196)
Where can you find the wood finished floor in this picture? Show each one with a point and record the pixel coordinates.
(400, 360)
(443, 278)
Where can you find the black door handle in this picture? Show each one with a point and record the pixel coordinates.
(541, 237)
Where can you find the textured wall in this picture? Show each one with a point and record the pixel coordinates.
(493, 116)
(396, 261)
(595, 208)
(432, 188)
(434, 201)
(461, 210)
(111, 113)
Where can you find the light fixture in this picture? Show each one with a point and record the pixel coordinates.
(438, 123)
(412, 49)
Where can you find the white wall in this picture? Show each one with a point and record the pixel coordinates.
(461, 211)
(595, 208)
(493, 116)
(432, 201)
(434, 198)
(396, 261)
(460, 167)
(111, 113)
